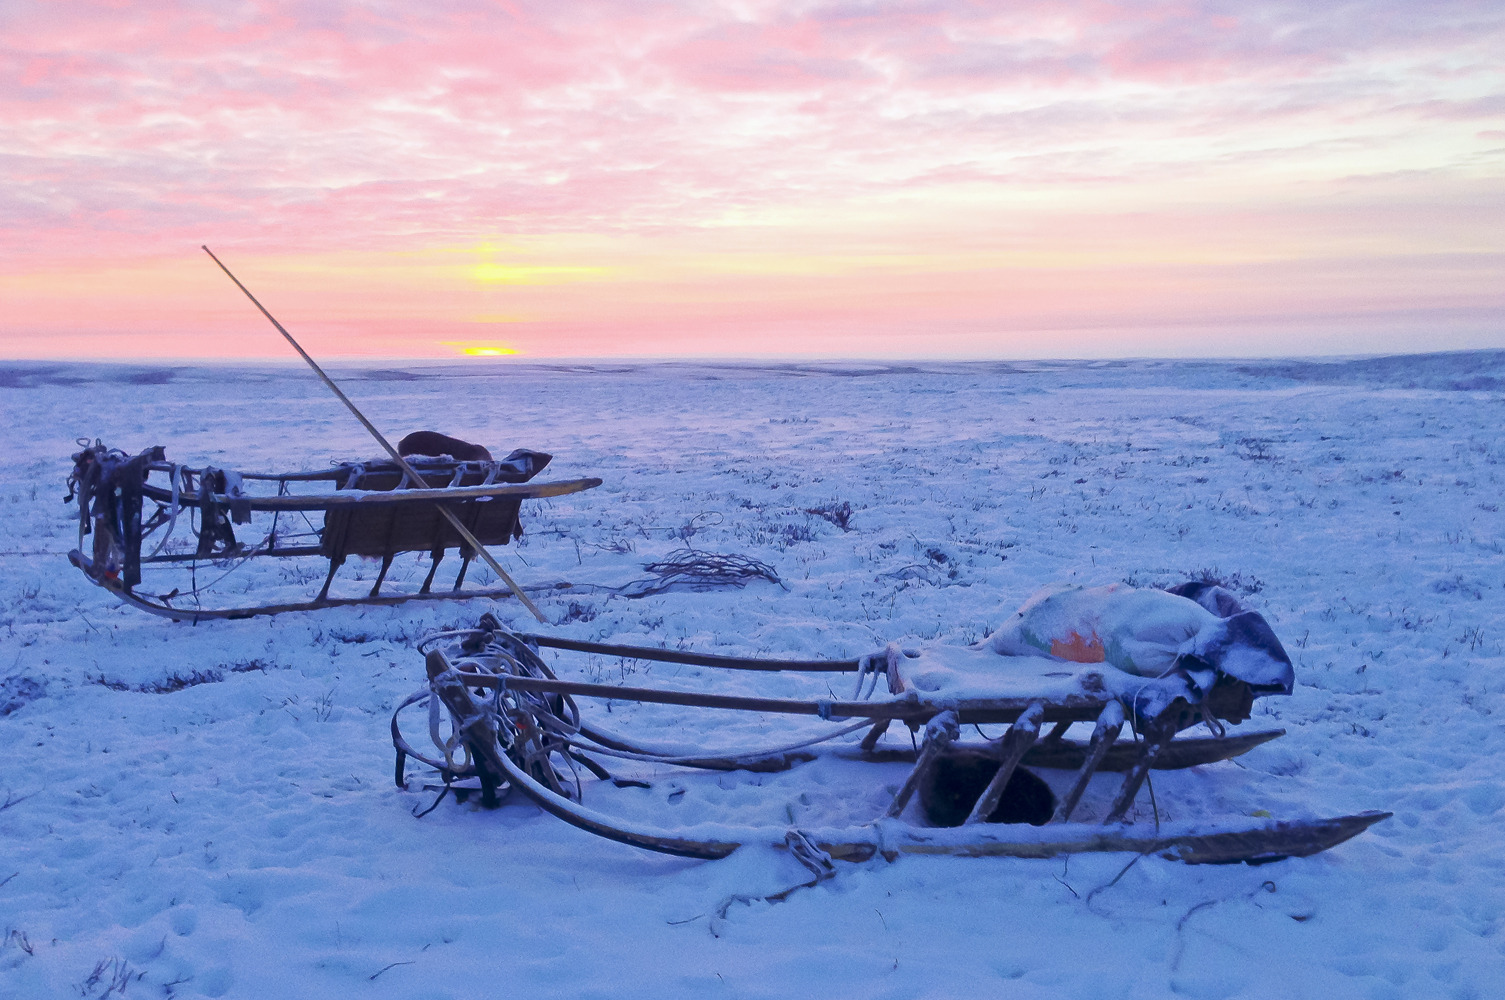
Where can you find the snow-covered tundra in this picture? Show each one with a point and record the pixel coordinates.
(209, 810)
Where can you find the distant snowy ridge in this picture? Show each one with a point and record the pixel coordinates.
(1470, 371)
(1482, 370)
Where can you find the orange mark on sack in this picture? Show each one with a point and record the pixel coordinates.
(1078, 649)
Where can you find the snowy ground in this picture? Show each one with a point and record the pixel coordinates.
(243, 837)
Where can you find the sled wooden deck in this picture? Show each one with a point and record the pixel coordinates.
(367, 510)
(513, 720)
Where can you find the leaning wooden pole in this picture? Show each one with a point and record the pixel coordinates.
(407, 469)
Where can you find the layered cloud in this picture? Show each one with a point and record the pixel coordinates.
(728, 165)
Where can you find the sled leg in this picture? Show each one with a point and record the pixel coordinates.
(939, 732)
(489, 781)
(386, 564)
(1052, 738)
(334, 564)
(437, 556)
(873, 735)
(1109, 723)
(1012, 745)
(464, 565)
(1156, 736)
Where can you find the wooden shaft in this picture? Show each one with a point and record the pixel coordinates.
(1156, 736)
(401, 462)
(939, 734)
(1109, 724)
(694, 699)
(692, 659)
(917, 711)
(1012, 746)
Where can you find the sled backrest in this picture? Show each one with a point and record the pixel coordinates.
(389, 528)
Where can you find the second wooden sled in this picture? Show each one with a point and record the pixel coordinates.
(514, 725)
(363, 509)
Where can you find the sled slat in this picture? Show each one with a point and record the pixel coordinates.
(1070, 755)
(377, 498)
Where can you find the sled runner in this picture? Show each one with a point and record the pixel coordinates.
(514, 724)
(352, 509)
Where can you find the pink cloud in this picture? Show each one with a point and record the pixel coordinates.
(137, 131)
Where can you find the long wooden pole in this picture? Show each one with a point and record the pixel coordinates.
(1076, 708)
(690, 659)
(407, 469)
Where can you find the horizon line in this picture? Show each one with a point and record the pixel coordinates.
(519, 360)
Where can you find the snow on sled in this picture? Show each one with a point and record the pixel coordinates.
(1155, 662)
(367, 508)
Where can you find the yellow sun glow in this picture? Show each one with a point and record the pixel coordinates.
(502, 274)
(482, 349)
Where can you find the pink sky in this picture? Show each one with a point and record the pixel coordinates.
(940, 179)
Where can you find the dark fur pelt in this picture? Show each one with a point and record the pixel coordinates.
(1221, 602)
(954, 785)
(432, 443)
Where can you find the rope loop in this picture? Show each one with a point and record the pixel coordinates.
(809, 854)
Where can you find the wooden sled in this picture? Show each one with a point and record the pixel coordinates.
(364, 509)
(513, 724)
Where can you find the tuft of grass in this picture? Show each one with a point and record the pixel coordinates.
(249, 666)
(172, 682)
(1236, 582)
(17, 691)
(578, 612)
(114, 974)
(839, 514)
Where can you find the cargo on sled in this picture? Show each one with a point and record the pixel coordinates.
(370, 509)
(1140, 666)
